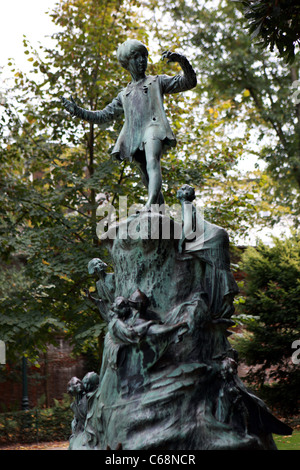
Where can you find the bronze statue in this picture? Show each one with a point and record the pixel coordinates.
(210, 244)
(146, 133)
(168, 378)
(79, 405)
(105, 284)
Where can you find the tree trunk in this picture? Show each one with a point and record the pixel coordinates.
(296, 166)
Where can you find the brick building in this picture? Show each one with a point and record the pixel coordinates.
(46, 382)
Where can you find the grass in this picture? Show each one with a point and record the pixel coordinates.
(288, 442)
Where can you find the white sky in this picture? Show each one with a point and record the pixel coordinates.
(18, 17)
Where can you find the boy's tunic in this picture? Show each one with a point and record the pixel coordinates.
(145, 118)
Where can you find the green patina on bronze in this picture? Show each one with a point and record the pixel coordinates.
(146, 133)
(168, 378)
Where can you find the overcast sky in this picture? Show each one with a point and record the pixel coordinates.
(18, 17)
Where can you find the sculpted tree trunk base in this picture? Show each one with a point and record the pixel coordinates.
(168, 379)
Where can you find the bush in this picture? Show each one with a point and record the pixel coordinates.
(272, 305)
(37, 424)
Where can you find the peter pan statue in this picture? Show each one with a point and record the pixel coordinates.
(146, 133)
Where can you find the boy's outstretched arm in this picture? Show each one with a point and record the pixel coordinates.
(184, 82)
(112, 111)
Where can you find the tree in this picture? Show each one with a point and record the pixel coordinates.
(55, 173)
(272, 304)
(258, 90)
(275, 23)
(257, 85)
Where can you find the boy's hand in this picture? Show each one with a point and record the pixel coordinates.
(70, 106)
(171, 56)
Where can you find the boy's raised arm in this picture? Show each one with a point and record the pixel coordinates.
(112, 111)
(179, 83)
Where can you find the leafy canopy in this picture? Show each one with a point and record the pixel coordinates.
(275, 24)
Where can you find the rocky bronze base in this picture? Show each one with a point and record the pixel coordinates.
(168, 379)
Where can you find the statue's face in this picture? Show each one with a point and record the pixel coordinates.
(120, 308)
(90, 381)
(122, 311)
(137, 64)
(75, 386)
(96, 266)
(186, 193)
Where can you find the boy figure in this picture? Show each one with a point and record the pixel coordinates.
(146, 133)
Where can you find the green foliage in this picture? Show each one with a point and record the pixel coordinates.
(256, 85)
(275, 23)
(37, 424)
(272, 302)
(206, 159)
(55, 173)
